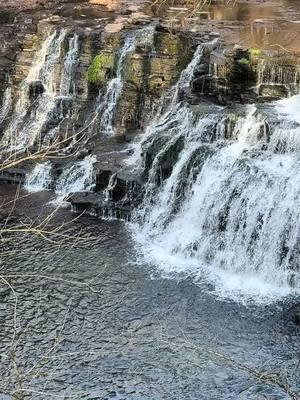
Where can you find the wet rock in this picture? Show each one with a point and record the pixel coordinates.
(148, 73)
(6, 17)
(297, 317)
(102, 179)
(273, 92)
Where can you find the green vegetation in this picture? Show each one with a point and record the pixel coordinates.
(243, 61)
(100, 65)
(255, 52)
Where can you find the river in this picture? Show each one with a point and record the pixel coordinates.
(94, 321)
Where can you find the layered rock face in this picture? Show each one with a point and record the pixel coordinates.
(83, 68)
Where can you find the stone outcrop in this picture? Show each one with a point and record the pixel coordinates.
(148, 74)
(247, 75)
(228, 74)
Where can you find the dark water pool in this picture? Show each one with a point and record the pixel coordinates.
(84, 320)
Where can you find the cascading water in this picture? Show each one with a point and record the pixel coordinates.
(110, 186)
(40, 178)
(67, 89)
(188, 73)
(67, 85)
(24, 128)
(114, 89)
(221, 199)
(272, 74)
(6, 104)
(226, 210)
(41, 92)
(290, 108)
(76, 178)
(162, 123)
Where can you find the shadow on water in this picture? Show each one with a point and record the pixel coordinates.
(90, 323)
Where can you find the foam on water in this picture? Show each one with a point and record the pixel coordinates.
(40, 178)
(78, 177)
(290, 108)
(228, 210)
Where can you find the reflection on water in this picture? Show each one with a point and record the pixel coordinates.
(261, 23)
(227, 10)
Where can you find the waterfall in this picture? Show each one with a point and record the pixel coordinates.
(78, 177)
(67, 85)
(273, 74)
(40, 178)
(41, 93)
(143, 36)
(67, 90)
(223, 206)
(164, 122)
(290, 108)
(188, 73)
(6, 103)
(110, 187)
(24, 128)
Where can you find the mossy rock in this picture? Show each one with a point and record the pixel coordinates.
(243, 61)
(100, 67)
(254, 52)
(134, 70)
(111, 42)
(240, 69)
(163, 73)
(178, 47)
(33, 42)
(169, 44)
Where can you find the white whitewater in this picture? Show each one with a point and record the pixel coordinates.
(67, 85)
(160, 122)
(6, 103)
(228, 211)
(188, 73)
(272, 74)
(114, 89)
(30, 117)
(25, 129)
(290, 108)
(110, 186)
(67, 89)
(40, 178)
(75, 178)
